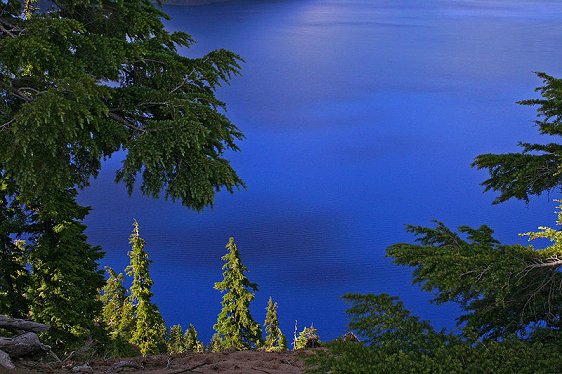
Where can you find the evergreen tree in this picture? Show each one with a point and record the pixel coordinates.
(14, 276)
(275, 340)
(235, 325)
(308, 338)
(397, 342)
(64, 277)
(191, 341)
(149, 333)
(216, 343)
(503, 289)
(537, 167)
(117, 313)
(81, 80)
(176, 340)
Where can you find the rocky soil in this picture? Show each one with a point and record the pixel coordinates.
(238, 362)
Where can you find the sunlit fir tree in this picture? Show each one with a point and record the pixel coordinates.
(175, 340)
(235, 326)
(191, 341)
(149, 331)
(117, 313)
(274, 340)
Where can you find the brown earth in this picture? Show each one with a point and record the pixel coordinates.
(237, 362)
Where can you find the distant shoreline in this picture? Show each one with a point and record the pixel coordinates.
(192, 2)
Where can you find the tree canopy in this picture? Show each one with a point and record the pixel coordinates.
(503, 289)
(82, 80)
(538, 167)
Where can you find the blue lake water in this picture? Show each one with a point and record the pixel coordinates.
(360, 116)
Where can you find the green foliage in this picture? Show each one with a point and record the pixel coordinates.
(308, 338)
(175, 340)
(79, 82)
(149, 332)
(89, 78)
(117, 314)
(235, 326)
(503, 289)
(397, 342)
(383, 322)
(216, 344)
(191, 341)
(510, 356)
(14, 277)
(65, 278)
(537, 168)
(275, 341)
(511, 296)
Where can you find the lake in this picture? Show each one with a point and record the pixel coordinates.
(360, 116)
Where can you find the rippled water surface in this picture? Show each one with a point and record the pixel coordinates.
(360, 116)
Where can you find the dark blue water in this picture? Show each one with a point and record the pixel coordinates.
(360, 116)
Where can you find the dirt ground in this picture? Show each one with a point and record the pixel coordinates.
(238, 362)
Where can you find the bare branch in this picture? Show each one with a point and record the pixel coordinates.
(125, 122)
(7, 124)
(552, 262)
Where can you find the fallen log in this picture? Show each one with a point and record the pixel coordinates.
(5, 361)
(22, 324)
(23, 345)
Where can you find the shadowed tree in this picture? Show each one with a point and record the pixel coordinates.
(80, 81)
(65, 278)
(14, 276)
(235, 326)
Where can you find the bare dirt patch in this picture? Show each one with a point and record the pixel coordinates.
(237, 362)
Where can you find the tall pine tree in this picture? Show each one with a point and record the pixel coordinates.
(235, 325)
(149, 333)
